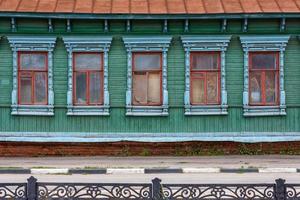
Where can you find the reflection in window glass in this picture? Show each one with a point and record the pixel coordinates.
(263, 61)
(204, 61)
(33, 61)
(25, 89)
(263, 78)
(81, 88)
(88, 61)
(255, 88)
(270, 87)
(95, 88)
(40, 89)
(212, 87)
(147, 61)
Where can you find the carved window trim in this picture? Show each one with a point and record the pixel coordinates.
(271, 43)
(32, 44)
(81, 44)
(147, 44)
(205, 44)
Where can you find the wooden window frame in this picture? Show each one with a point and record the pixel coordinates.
(205, 72)
(32, 74)
(134, 54)
(263, 78)
(88, 72)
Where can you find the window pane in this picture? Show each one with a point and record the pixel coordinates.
(95, 88)
(255, 88)
(271, 91)
(25, 88)
(205, 61)
(147, 61)
(264, 61)
(212, 87)
(40, 90)
(88, 61)
(33, 61)
(154, 88)
(80, 88)
(140, 88)
(198, 95)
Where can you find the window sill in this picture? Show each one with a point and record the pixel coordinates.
(251, 111)
(88, 111)
(206, 110)
(147, 111)
(38, 110)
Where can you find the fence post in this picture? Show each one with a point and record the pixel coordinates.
(156, 189)
(280, 190)
(31, 188)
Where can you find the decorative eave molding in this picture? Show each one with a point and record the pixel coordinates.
(32, 43)
(264, 43)
(205, 43)
(87, 44)
(147, 44)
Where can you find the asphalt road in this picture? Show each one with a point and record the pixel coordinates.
(166, 178)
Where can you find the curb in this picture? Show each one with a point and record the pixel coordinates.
(87, 171)
(50, 171)
(240, 170)
(125, 171)
(145, 170)
(163, 170)
(15, 171)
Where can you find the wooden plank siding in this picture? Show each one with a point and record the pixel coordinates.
(117, 122)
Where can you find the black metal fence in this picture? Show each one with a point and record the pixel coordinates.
(34, 190)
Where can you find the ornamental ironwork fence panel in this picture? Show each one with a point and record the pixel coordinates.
(80, 191)
(34, 190)
(17, 191)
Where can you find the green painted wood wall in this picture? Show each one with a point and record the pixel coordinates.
(176, 121)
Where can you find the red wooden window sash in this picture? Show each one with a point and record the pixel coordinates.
(32, 73)
(204, 73)
(263, 80)
(87, 73)
(159, 71)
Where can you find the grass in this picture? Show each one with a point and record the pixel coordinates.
(10, 168)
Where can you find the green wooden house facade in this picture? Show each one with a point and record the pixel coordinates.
(234, 37)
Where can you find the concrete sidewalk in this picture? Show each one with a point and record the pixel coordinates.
(139, 165)
(271, 161)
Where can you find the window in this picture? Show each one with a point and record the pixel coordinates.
(147, 91)
(205, 84)
(88, 79)
(33, 75)
(264, 93)
(263, 79)
(147, 79)
(88, 75)
(205, 78)
(32, 92)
